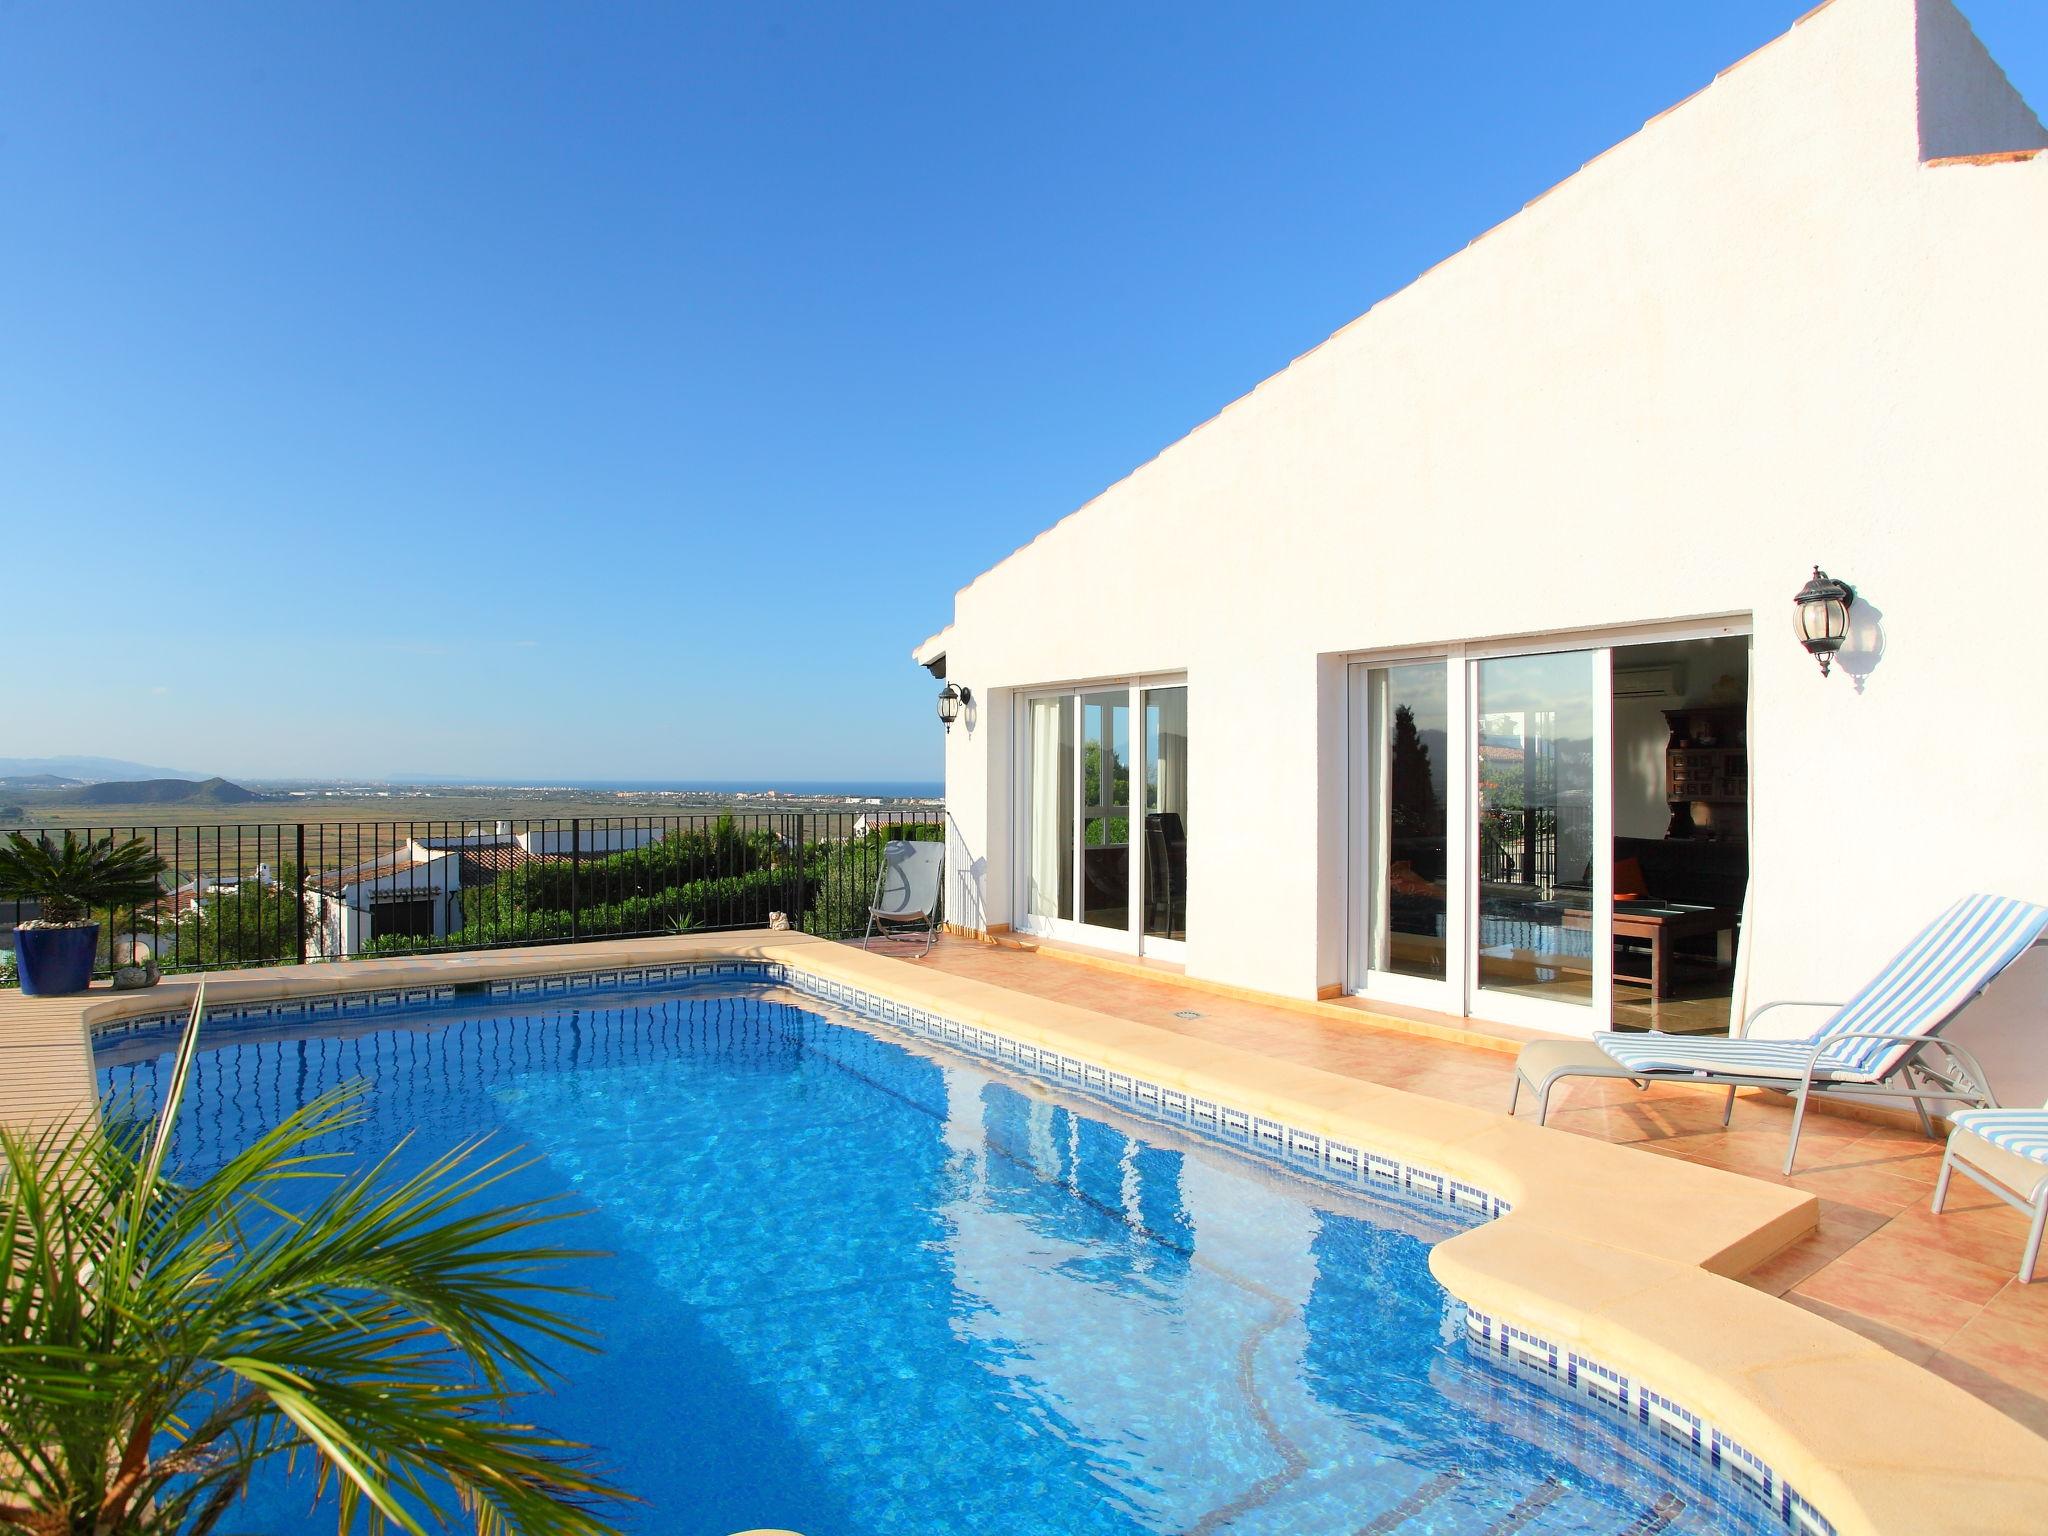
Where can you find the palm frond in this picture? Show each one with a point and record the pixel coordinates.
(160, 1341)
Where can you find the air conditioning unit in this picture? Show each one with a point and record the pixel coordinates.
(1649, 682)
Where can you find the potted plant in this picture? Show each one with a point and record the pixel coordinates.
(69, 881)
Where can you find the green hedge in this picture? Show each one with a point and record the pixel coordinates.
(685, 881)
(488, 918)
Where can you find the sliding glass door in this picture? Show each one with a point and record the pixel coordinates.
(1096, 864)
(1165, 916)
(1106, 810)
(1537, 832)
(1407, 944)
(1050, 844)
(1479, 865)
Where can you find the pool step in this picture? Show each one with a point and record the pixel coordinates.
(1413, 1505)
(1538, 1499)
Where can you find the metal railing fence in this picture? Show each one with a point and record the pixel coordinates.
(283, 893)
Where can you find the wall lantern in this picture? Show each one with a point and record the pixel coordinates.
(1824, 616)
(952, 699)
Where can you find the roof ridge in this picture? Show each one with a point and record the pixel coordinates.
(1385, 298)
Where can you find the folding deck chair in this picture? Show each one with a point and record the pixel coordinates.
(907, 893)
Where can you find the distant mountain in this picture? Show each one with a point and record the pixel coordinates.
(35, 781)
(158, 792)
(90, 770)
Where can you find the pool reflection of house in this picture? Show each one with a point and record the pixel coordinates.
(415, 891)
(1435, 651)
(1273, 1417)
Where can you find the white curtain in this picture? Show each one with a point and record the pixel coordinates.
(1172, 705)
(1738, 990)
(1051, 766)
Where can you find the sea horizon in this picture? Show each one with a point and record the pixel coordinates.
(888, 789)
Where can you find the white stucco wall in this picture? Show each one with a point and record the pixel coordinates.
(349, 914)
(1760, 334)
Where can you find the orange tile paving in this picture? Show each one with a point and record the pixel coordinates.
(1938, 1290)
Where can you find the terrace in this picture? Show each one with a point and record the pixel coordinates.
(1439, 809)
(1933, 1295)
(262, 904)
(1939, 1291)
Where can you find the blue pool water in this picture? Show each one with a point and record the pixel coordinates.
(862, 1287)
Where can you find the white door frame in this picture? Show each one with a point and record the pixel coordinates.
(1560, 1018)
(1459, 994)
(1132, 938)
(1447, 995)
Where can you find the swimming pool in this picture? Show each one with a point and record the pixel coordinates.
(862, 1285)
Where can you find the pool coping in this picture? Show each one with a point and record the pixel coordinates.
(1607, 1273)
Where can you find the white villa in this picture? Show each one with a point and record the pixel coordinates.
(1454, 667)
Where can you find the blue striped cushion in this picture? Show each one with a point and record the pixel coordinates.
(1685, 1053)
(2020, 1131)
(1944, 966)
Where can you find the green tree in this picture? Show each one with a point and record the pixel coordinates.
(1411, 785)
(160, 1342)
(256, 923)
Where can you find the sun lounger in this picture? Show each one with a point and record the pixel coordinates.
(2006, 1151)
(1884, 1042)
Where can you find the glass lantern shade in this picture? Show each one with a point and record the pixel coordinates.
(1822, 608)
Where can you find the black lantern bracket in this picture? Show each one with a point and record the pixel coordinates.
(952, 700)
(1823, 606)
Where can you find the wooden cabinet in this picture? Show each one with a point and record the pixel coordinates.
(1706, 771)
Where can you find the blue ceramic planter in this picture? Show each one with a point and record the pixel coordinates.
(54, 961)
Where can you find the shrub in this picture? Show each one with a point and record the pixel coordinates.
(73, 879)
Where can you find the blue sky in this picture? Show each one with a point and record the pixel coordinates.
(620, 391)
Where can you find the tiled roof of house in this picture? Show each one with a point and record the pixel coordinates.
(334, 881)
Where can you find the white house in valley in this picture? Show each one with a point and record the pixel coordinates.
(1454, 667)
(414, 892)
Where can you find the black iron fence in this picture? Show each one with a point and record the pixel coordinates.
(1536, 845)
(283, 893)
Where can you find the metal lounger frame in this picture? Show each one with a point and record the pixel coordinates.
(1960, 1078)
(2035, 1207)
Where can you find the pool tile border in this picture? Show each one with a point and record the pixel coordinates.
(1515, 1351)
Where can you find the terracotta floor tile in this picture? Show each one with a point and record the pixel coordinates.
(1992, 1235)
(1879, 1299)
(1936, 1290)
(1902, 1343)
(1841, 1228)
(2013, 1349)
(1905, 1265)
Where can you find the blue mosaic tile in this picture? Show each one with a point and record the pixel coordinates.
(1745, 1466)
(1531, 1356)
(1524, 1349)
(1656, 1411)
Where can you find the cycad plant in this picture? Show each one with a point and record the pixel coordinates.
(162, 1341)
(73, 879)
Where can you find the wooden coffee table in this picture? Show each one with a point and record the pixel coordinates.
(1657, 924)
